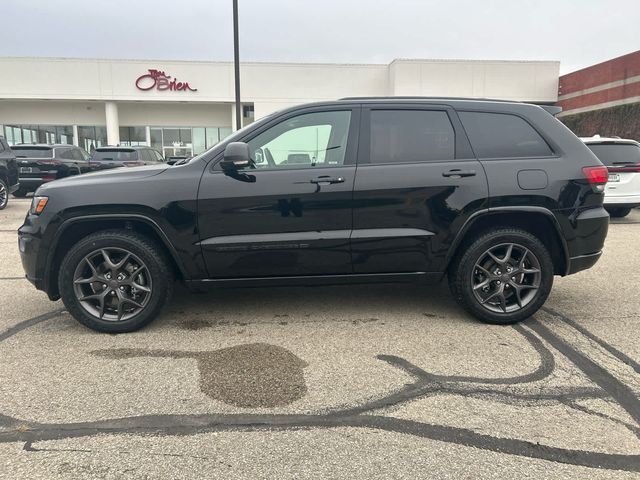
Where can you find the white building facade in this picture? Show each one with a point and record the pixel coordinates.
(184, 107)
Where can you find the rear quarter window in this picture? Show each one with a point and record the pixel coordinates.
(502, 135)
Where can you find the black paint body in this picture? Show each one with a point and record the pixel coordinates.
(383, 222)
(8, 166)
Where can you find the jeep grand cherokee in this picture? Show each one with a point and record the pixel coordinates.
(499, 196)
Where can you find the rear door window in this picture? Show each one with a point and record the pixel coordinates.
(501, 135)
(408, 136)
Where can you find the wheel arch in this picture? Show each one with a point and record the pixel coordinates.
(538, 221)
(76, 228)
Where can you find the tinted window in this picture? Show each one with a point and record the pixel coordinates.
(158, 156)
(411, 136)
(616, 153)
(65, 153)
(309, 140)
(145, 156)
(114, 155)
(32, 152)
(499, 135)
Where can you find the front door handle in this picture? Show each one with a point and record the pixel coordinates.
(457, 173)
(326, 180)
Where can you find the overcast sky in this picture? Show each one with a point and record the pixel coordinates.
(576, 32)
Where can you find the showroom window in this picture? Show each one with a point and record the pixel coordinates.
(16, 134)
(186, 141)
(133, 136)
(91, 137)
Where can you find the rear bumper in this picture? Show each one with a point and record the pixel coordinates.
(585, 237)
(627, 201)
(31, 183)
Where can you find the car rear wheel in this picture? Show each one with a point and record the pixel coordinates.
(618, 212)
(115, 281)
(4, 194)
(503, 277)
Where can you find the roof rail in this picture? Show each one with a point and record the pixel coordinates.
(418, 97)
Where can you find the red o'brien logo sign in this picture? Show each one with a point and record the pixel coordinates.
(158, 80)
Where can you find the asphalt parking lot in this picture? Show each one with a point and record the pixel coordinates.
(358, 382)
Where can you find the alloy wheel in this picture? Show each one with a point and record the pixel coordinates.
(4, 195)
(112, 284)
(506, 278)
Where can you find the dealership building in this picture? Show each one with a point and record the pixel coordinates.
(184, 107)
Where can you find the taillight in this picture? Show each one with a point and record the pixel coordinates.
(49, 162)
(596, 176)
(630, 168)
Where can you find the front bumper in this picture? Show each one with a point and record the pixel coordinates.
(582, 262)
(28, 246)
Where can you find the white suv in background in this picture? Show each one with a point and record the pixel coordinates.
(622, 158)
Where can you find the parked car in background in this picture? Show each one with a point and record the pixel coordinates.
(8, 173)
(499, 196)
(172, 160)
(42, 163)
(622, 158)
(104, 158)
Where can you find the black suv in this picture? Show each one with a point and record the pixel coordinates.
(42, 163)
(498, 195)
(8, 173)
(104, 158)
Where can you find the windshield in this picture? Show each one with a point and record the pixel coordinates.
(114, 155)
(616, 153)
(32, 152)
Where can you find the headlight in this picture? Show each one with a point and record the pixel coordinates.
(38, 204)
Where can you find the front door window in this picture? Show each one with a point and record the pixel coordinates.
(311, 140)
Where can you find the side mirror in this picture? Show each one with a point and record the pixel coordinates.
(236, 156)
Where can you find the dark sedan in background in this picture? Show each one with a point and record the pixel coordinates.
(8, 173)
(42, 163)
(112, 157)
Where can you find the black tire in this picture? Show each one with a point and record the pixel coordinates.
(463, 272)
(4, 194)
(618, 212)
(160, 274)
(20, 193)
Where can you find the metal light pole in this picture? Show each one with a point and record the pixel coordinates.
(236, 61)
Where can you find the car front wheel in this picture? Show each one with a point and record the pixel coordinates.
(115, 281)
(503, 277)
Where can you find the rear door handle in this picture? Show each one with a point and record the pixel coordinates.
(456, 172)
(326, 180)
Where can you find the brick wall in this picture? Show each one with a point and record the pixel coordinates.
(608, 84)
